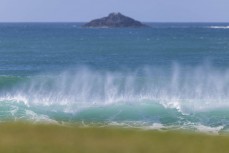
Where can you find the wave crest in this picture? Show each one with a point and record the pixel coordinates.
(186, 89)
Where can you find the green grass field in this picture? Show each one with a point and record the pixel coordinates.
(30, 138)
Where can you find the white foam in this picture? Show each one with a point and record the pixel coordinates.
(156, 126)
(38, 118)
(14, 110)
(15, 98)
(208, 129)
(219, 27)
(139, 124)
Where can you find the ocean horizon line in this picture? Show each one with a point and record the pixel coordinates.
(83, 22)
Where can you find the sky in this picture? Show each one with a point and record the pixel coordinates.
(86, 10)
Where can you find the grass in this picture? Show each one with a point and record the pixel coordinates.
(30, 138)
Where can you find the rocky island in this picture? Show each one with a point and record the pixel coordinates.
(114, 20)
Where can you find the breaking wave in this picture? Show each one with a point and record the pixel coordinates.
(147, 97)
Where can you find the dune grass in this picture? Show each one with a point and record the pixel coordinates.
(30, 138)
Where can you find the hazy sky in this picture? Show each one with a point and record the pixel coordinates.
(143, 10)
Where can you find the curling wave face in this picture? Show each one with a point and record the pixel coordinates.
(178, 97)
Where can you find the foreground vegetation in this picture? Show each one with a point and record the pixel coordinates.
(29, 138)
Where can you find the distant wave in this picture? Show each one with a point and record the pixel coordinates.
(219, 27)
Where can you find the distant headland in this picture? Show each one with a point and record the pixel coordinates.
(115, 20)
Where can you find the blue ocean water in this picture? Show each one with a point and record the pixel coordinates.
(169, 76)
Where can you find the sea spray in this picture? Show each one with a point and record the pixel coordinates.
(178, 96)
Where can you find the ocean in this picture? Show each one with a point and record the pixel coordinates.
(169, 76)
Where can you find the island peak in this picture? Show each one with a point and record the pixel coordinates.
(114, 13)
(114, 20)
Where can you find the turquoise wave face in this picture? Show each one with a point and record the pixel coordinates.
(146, 114)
